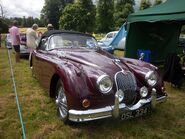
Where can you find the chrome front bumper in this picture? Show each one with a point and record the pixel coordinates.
(113, 111)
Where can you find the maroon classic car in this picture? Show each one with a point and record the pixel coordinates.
(88, 83)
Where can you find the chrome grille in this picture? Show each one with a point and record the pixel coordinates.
(127, 83)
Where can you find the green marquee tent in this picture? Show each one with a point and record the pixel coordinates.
(155, 29)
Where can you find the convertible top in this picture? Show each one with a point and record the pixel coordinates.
(51, 32)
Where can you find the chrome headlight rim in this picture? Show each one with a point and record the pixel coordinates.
(101, 79)
(151, 78)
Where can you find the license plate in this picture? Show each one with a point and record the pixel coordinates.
(136, 113)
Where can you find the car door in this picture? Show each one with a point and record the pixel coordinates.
(45, 64)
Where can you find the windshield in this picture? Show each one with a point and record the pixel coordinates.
(71, 40)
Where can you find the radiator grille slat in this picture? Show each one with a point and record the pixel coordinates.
(127, 83)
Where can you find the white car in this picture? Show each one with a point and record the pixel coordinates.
(114, 39)
(8, 41)
(108, 37)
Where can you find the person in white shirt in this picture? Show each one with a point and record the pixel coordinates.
(31, 36)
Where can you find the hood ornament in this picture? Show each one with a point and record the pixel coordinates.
(118, 62)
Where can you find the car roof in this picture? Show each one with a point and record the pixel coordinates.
(51, 32)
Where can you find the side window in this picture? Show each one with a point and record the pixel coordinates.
(43, 44)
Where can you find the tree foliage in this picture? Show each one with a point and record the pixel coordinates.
(79, 16)
(3, 26)
(1, 11)
(157, 2)
(144, 4)
(22, 22)
(122, 9)
(52, 10)
(104, 17)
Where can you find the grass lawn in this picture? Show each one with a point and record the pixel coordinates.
(41, 121)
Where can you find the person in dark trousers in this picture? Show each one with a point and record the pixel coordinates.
(15, 40)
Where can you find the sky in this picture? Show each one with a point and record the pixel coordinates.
(20, 8)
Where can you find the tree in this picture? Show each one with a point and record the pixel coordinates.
(157, 2)
(104, 17)
(3, 26)
(123, 9)
(145, 4)
(70, 19)
(79, 16)
(2, 11)
(52, 10)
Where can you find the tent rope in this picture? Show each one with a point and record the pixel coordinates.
(15, 91)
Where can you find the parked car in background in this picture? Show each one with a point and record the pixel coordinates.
(108, 38)
(114, 40)
(107, 48)
(88, 83)
(104, 43)
(182, 40)
(8, 42)
(24, 50)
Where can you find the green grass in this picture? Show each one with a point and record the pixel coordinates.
(41, 121)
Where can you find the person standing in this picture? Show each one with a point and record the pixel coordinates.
(50, 27)
(15, 40)
(31, 36)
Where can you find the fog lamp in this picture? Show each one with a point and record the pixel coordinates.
(120, 95)
(163, 89)
(86, 103)
(143, 91)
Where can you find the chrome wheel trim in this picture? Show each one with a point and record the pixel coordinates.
(61, 103)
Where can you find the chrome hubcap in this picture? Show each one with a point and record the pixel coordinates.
(61, 103)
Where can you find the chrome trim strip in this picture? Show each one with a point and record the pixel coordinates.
(94, 114)
(154, 98)
(161, 99)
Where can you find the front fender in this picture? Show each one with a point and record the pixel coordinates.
(140, 68)
(76, 84)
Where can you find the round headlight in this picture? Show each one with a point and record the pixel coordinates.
(143, 91)
(151, 78)
(104, 84)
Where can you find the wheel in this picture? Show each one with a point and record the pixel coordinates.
(61, 102)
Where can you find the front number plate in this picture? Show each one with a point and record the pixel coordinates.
(137, 113)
